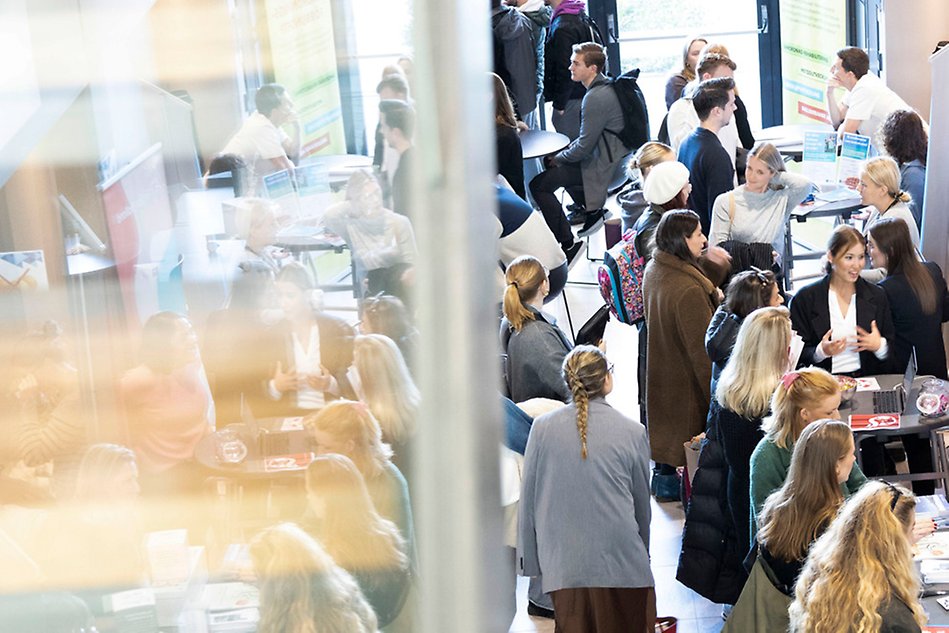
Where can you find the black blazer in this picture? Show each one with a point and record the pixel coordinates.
(915, 329)
(810, 318)
(336, 354)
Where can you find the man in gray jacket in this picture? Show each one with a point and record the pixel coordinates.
(587, 165)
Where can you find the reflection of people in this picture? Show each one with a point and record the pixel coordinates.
(346, 523)
(586, 474)
(382, 241)
(859, 574)
(313, 349)
(387, 315)
(257, 224)
(260, 142)
(510, 159)
(385, 384)
(302, 588)
(167, 402)
(349, 428)
(398, 128)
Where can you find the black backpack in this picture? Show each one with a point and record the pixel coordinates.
(635, 130)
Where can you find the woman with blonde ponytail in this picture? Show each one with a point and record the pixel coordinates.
(585, 494)
(534, 345)
(859, 576)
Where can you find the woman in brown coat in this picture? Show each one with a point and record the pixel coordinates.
(679, 302)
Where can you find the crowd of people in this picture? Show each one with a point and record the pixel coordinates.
(781, 522)
(782, 525)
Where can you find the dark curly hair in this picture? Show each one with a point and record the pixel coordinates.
(904, 137)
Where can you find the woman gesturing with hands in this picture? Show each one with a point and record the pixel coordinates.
(845, 321)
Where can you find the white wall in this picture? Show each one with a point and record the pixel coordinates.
(910, 33)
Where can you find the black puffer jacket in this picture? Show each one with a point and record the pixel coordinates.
(566, 30)
(710, 561)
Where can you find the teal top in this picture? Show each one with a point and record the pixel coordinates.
(769, 468)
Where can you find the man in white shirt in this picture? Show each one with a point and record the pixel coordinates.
(868, 101)
(264, 147)
(682, 118)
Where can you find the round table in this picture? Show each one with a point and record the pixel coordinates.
(537, 143)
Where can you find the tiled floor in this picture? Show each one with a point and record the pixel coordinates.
(695, 613)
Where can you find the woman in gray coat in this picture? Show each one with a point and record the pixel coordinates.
(584, 510)
(534, 345)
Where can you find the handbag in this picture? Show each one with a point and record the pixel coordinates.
(591, 333)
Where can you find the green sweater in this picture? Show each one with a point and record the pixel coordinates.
(769, 468)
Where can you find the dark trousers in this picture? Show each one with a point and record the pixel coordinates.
(604, 610)
(543, 187)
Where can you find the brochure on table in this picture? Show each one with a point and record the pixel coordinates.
(833, 174)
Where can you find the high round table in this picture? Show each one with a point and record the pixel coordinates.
(537, 143)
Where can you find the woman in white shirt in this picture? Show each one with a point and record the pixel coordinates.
(312, 350)
(757, 211)
(879, 188)
(845, 321)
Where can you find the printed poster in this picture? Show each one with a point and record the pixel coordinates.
(812, 31)
(304, 61)
(819, 163)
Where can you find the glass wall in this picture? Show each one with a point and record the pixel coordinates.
(238, 383)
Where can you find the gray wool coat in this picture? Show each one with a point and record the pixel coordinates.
(585, 523)
(534, 358)
(598, 152)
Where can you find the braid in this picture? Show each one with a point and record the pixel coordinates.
(582, 400)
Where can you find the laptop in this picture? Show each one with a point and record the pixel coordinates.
(882, 408)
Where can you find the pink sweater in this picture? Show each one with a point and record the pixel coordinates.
(167, 414)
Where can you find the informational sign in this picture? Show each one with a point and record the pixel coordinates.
(853, 155)
(304, 61)
(819, 162)
(812, 31)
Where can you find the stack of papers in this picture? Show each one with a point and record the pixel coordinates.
(934, 571)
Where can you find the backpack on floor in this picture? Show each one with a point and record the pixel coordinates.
(621, 280)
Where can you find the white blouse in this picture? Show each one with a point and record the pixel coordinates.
(845, 326)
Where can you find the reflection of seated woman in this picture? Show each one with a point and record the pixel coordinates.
(51, 423)
(348, 428)
(235, 354)
(167, 403)
(302, 589)
(257, 225)
(359, 540)
(384, 383)
(312, 350)
(382, 241)
(95, 539)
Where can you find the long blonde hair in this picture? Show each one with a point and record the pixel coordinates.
(524, 277)
(862, 561)
(352, 421)
(803, 388)
(585, 370)
(302, 590)
(387, 386)
(796, 513)
(756, 365)
(351, 529)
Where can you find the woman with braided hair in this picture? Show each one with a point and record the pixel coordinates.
(584, 509)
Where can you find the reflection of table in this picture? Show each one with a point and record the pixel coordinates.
(841, 209)
(300, 244)
(339, 167)
(270, 449)
(537, 143)
(911, 423)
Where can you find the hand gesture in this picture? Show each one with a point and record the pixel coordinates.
(320, 381)
(923, 527)
(832, 348)
(285, 381)
(869, 341)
